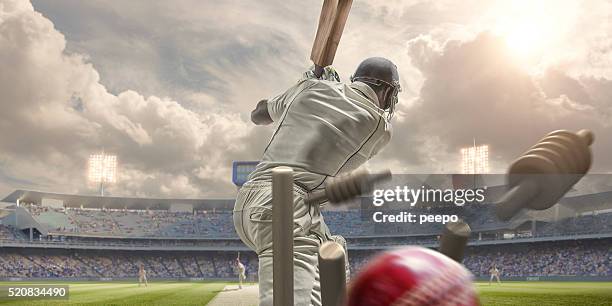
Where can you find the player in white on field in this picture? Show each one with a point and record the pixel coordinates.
(142, 276)
(323, 127)
(494, 274)
(241, 271)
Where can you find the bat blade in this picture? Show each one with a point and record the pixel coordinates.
(334, 14)
(328, 13)
(342, 13)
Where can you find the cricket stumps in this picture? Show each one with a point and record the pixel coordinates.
(548, 170)
(332, 272)
(282, 236)
(332, 257)
(454, 239)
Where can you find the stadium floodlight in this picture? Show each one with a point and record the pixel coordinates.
(475, 160)
(102, 169)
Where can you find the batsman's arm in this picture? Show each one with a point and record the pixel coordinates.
(269, 110)
(260, 115)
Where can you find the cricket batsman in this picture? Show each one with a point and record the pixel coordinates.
(323, 127)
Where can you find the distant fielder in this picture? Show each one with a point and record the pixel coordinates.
(241, 271)
(142, 276)
(494, 274)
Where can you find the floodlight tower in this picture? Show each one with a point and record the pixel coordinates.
(475, 161)
(102, 169)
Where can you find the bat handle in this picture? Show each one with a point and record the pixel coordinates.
(318, 71)
(315, 197)
(347, 187)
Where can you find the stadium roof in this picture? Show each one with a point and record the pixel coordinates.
(589, 202)
(90, 201)
(581, 203)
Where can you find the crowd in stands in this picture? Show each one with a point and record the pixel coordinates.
(579, 257)
(560, 258)
(219, 224)
(135, 223)
(10, 233)
(348, 223)
(96, 265)
(587, 224)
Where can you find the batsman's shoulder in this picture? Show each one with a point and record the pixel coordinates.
(329, 74)
(329, 89)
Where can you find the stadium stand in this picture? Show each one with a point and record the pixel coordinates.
(117, 265)
(560, 258)
(584, 257)
(142, 223)
(219, 224)
(108, 238)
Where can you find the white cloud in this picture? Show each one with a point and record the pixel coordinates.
(168, 85)
(475, 89)
(56, 112)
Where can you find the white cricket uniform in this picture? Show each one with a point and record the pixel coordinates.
(494, 274)
(142, 277)
(329, 128)
(241, 273)
(323, 128)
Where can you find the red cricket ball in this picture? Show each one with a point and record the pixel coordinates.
(412, 276)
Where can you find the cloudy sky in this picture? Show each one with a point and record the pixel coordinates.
(167, 86)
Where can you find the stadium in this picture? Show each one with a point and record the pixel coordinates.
(346, 109)
(95, 244)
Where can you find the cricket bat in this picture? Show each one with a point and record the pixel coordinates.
(334, 14)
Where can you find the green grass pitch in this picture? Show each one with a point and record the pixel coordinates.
(199, 293)
(546, 293)
(128, 293)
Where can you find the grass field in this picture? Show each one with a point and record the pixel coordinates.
(546, 293)
(200, 293)
(123, 293)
